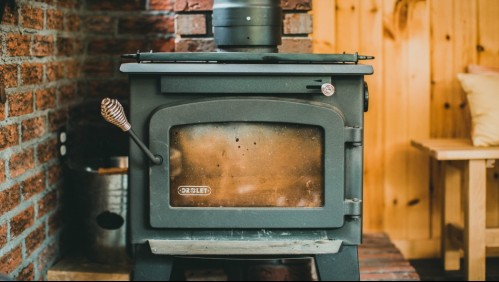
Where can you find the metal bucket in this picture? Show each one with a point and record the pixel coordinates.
(99, 188)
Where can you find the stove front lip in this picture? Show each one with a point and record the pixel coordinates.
(330, 119)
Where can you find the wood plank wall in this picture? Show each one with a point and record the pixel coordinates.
(420, 46)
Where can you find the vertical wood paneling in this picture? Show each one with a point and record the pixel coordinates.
(370, 43)
(488, 42)
(418, 118)
(347, 26)
(406, 86)
(324, 28)
(395, 106)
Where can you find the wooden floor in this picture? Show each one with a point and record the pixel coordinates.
(380, 260)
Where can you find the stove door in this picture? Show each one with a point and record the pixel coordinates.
(247, 163)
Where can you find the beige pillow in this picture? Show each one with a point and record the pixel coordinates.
(483, 97)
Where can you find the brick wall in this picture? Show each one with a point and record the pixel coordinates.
(60, 54)
(41, 45)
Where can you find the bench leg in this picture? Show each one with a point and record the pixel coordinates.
(474, 191)
(451, 209)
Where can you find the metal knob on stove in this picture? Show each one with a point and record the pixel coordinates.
(113, 112)
(328, 89)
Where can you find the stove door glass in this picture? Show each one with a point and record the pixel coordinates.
(246, 164)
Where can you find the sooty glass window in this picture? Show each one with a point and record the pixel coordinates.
(246, 164)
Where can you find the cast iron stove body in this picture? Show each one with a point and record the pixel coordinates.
(262, 156)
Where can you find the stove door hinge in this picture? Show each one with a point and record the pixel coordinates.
(353, 135)
(353, 206)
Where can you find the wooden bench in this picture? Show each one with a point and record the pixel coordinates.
(464, 168)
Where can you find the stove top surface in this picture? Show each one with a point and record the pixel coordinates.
(245, 57)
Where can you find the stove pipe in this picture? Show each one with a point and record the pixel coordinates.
(247, 25)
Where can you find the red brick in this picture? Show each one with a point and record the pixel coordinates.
(99, 67)
(146, 24)
(10, 199)
(57, 119)
(190, 24)
(55, 19)
(296, 45)
(115, 47)
(22, 221)
(389, 276)
(116, 5)
(27, 273)
(195, 45)
(9, 136)
(20, 104)
(2, 171)
(55, 71)
(33, 185)
(111, 88)
(2, 111)
(10, 17)
(35, 239)
(32, 17)
(3, 235)
(102, 24)
(50, 2)
(193, 5)
(73, 69)
(161, 5)
(55, 223)
(43, 46)
(21, 162)
(66, 46)
(163, 45)
(54, 174)
(9, 75)
(70, 4)
(47, 204)
(47, 150)
(32, 73)
(33, 128)
(296, 4)
(45, 98)
(11, 260)
(67, 93)
(47, 255)
(18, 44)
(72, 23)
(297, 23)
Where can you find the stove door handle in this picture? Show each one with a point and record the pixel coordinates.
(113, 112)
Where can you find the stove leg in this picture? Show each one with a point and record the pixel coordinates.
(342, 266)
(150, 267)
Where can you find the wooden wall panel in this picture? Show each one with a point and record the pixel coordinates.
(406, 87)
(488, 55)
(420, 46)
(369, 44)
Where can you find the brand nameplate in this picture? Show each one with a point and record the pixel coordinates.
(194, 190)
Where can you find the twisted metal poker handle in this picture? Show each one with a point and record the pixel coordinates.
(113, 112)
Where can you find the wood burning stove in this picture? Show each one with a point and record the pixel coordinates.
(246, 154)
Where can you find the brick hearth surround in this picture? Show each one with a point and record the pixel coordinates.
(56, 54)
